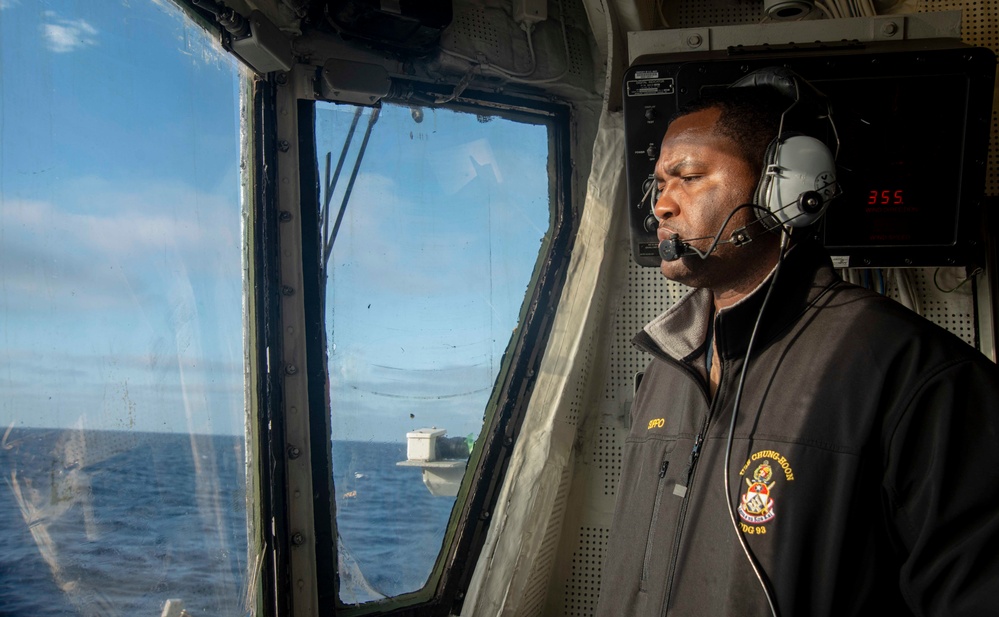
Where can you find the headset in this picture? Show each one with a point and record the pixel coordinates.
(798, 178)
(798, 175)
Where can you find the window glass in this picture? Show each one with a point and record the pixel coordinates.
(121, 363)
(440, 232)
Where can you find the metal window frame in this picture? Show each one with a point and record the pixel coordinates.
(301, 575)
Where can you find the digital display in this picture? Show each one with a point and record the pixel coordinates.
(885, 197)
(900, 160)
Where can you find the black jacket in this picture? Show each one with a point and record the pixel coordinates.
(863, 472)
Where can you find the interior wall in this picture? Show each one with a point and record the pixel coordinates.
(568, 581)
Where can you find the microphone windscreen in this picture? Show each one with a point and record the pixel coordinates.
(671, 248)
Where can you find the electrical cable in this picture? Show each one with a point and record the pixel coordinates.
(528, 28)
(460, 86)
(757, 569)
(968, 277)
(716, 239)
(520, 77)
(825, 9)
(785, 230)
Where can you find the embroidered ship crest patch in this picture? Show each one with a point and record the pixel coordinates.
(757, 505)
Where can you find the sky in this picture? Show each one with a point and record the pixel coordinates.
(120, 237)
(429, 271)
(120, 267)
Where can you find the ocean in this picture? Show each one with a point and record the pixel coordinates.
(109, 523)
(389, 524)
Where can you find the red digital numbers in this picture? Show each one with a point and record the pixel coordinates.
(886, 197)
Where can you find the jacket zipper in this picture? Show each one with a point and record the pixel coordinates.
(682, 491)
(678, 490)
(652, 523)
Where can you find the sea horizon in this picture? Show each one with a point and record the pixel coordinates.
(117, 522)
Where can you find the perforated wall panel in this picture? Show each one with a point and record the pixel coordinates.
(472, 29)
(535, 595)
(694, 14)
(608, 457)
(945, 298)
(646, 295)
(583, 590)
(575, 583)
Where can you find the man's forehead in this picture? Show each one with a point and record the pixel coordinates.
(675, 163)
(702, 120)
(693, 143)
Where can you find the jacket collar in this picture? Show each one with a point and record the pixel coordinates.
(681, 332)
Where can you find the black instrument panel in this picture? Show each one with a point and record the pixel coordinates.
(912, 119)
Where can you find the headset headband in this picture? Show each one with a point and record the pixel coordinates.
(798, 178)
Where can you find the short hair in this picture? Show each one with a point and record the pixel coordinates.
(750, 116)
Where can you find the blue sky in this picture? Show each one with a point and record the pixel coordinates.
(120, 275)
(120, 237)
(430, 269)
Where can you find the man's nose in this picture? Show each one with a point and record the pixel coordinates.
(665, 206)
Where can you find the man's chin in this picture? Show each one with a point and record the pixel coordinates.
(676, 270)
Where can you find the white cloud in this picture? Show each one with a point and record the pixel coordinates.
(66, 35)
(98, 245)
(130, 219)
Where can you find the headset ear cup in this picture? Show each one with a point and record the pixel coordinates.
(799, 181)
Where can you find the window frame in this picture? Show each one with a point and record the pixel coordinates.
(477, 498)
(265, 409)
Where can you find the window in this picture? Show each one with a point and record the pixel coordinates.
(121, 367)
(437, 222)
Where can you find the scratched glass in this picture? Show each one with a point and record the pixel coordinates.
(435, 223)
(121, 366)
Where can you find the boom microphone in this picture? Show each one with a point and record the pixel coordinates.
(673, 247)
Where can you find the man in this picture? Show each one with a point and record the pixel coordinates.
(861, 475)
